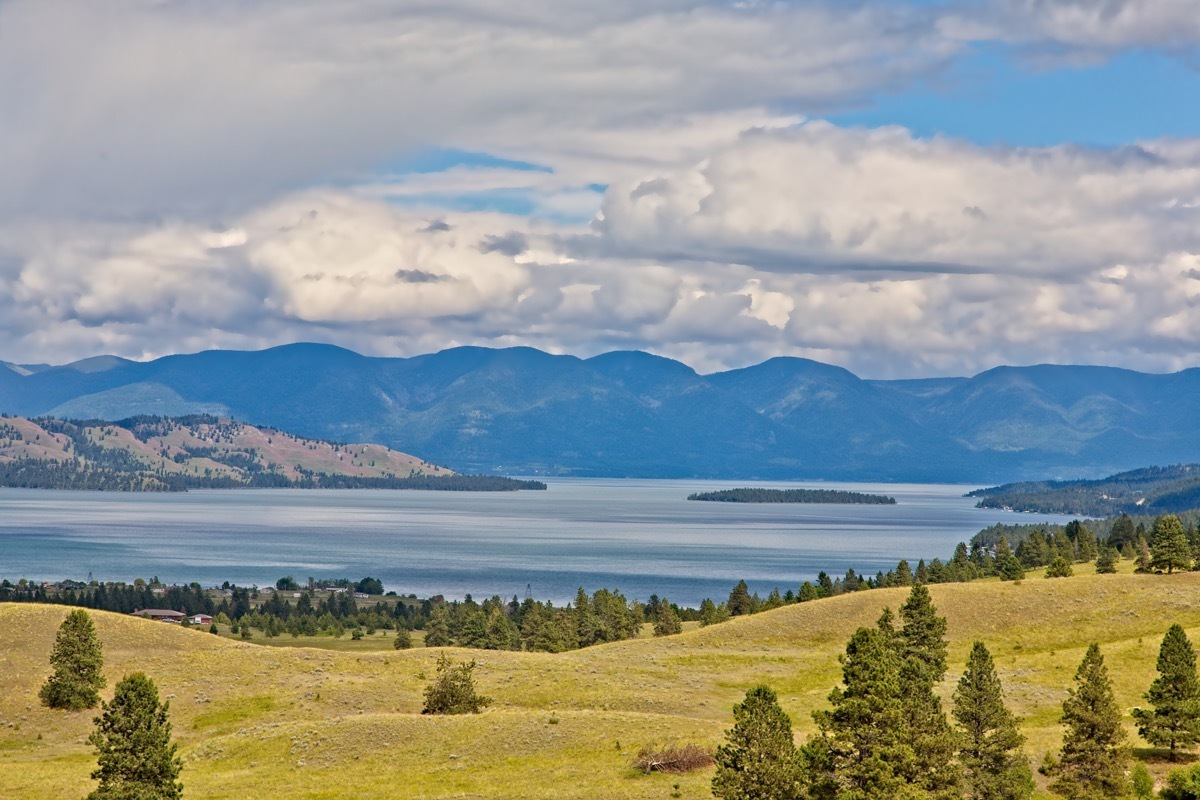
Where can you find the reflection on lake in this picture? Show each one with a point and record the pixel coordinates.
(640, 536)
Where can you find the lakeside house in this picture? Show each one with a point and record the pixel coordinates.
(200, 619)
(161, 614)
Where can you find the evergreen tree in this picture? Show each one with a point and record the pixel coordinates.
(1093, 758)
(904, 576)
(989, 743)
(1174, 719)
(1106, 562)
(739, 600)
(437, 629)
(1059, 567)
(668, 622)
(921, 644)
(1122, 532)
(1008, 566)
(137, 760)
(758, 760)
(1172, 550)
(403, 640)
(1085, 544)
(1143, 559)
(453, 690)
(862, 750)
(78, 663)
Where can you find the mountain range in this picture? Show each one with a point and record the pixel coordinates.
(632, 414)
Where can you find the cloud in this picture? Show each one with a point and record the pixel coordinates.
(124, 107)
(179, 176)
(818, 198)
(1079, 28)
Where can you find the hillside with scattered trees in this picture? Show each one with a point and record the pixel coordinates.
(161, 454)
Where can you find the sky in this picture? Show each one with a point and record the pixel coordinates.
(905, 189)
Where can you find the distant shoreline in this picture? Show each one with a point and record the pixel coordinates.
(826, 496)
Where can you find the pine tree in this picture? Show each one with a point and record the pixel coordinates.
(78, 663)
(739, 600)
(1008, 566)
(668, 622)
(1142, 562)
(862, 750)
(453, 690)
(758, 760)
(1059, 567)
(1171, 549)
(137, 760)
(437, 629)
(1122, 532)
(1093, 758)
(921, 646)
(1085, 543)
(989, 742)
(1106, 562)
(1174, 719)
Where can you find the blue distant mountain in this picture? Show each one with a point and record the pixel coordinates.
(523, 411)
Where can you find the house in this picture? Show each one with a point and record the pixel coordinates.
(161, 614)
(361, 595)
(200, 619)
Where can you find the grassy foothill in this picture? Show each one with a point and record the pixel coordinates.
(330, 723)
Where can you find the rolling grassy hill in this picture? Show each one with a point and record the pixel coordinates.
(264, 721)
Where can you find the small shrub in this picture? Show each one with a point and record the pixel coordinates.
(453, 689)
(1183, 784)
(674, 759)
(355, 634)
(1143, 782)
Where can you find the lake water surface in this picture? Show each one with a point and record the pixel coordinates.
(640, 536)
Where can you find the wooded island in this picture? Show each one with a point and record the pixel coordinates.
(750, 495)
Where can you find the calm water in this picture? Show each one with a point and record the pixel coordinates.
(640, 536)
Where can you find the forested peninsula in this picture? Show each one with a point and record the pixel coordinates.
(161, 454)
(834, 496)
(1151, 491)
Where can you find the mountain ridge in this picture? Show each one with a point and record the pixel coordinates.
(634, 414)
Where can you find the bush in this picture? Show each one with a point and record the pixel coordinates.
(675, 759)
(1143, 782)
(1183, 784)
(453, 689)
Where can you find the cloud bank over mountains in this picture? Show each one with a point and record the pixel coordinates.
(651, 175)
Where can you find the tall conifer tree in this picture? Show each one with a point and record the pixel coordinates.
(1093, 759)
(1171, 550)
(1174, 720)
(922, 649)
(758, 760)
(78, 663)
(989, 743)
(862, 750)
(137, 760)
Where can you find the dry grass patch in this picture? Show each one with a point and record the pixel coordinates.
(246, 716)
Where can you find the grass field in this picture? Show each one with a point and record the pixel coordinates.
(314, 723)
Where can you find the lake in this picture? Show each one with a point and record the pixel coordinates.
(639, 536)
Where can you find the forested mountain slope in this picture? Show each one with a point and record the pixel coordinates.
(521, 410)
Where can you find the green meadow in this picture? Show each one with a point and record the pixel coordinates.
(342, 721)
